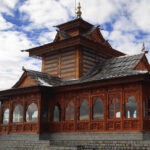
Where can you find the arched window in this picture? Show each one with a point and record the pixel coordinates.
(70, 111)
(57, 113)
(84, 111)
(18, 114)
(98, 109)
(131, 108)
(6, 116)
(32, 113)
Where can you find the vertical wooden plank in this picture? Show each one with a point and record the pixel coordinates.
(79, 63)
(59, 65)
(43, 64)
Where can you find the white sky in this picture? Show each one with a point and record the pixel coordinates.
(129, 21)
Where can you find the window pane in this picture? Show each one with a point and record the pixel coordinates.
(32, 113)
(131, 108)
(57, 113)
(111, 109)
(117, 109)
(67, 112)
(84, 111)
(98, 110)
(6, 116)
(18, 114)
(72, 111)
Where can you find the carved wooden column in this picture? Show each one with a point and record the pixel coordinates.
(1, 113)
(76, 112)
(107, 109)
(10, 113)
(122, 108)
(39, 98)
(90, 108)
(140, 102)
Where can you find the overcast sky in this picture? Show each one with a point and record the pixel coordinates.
(29, 23)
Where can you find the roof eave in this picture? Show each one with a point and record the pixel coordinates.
(22, 90)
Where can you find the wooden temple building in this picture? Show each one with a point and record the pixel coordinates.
(84, 86)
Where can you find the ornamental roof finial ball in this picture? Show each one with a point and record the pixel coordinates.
(78, 11)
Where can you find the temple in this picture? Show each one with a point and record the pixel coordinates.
(85, 87)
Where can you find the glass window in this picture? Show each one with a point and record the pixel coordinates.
(84, 111)
(57, 113)
(131, 108)
(6, 116)
(98, 110)
(18, 114)
(70, 111)
(67, 112)
(114, 108)
(117, 109)
(111, 108)
(32, 113)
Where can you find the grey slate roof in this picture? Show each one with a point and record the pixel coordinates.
(107, 69)
(43, 79)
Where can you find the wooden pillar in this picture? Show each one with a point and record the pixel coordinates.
(10, 114)
(140, 107)
(122, 107)
(90, 108)
(106, 109)
(39, 112)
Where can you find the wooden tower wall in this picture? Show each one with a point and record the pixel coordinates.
(60, 63)
(70, 63)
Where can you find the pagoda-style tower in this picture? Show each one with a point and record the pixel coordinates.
(75, 49)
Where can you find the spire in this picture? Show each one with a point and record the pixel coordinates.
(78, 13)
(143, 48)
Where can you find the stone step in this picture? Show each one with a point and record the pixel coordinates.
(61, 148)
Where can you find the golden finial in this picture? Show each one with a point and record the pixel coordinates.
(143, 48)
(78, 13)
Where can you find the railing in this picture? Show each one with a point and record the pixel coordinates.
(19, 128)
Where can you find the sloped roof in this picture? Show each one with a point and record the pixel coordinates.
(114, 67)
(118, 67)
(122, 66)
(43, 78)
